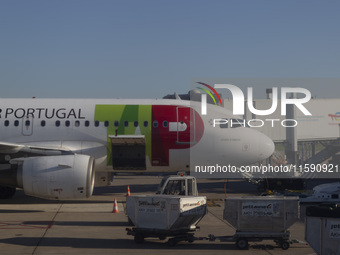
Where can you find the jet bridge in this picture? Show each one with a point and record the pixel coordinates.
(331, 148)
(128, 152)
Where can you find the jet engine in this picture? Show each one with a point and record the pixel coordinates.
(56, 177)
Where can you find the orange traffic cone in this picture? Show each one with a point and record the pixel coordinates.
(115, 207)
(128, 191)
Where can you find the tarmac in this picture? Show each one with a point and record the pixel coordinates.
(35, 226)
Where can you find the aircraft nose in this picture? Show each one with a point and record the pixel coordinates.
(267, 147)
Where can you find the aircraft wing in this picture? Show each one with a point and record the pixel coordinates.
(10, 147)
(13, 148)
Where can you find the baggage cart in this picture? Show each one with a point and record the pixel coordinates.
(165, 216)
(261, 218)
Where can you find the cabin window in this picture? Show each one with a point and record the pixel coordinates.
(87, 123)
(165, 123)
(16, 123)
(106, 123)
(6, 123)
(116, 123)
(57, 123)
(27, 123)
(43, 123)
(175, 187)
(67, 123)
(135, 124)
(146, 123)
(96, 123)
(77, 123)
(155, 123)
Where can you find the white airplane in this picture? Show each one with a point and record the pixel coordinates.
(53, 148)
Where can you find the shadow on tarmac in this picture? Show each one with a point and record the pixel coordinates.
(155, 244)
(94, 243)
(82, 223)
(21, 211)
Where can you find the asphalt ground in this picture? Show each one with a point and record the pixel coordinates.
(35, 226)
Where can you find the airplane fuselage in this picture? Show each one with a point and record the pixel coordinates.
(83, 126)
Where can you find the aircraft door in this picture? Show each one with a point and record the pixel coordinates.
(185, 125)
(128, 152)
(27, 125)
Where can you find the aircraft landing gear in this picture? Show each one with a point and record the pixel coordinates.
(6, 192)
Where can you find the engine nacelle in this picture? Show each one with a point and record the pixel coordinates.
(57, 177)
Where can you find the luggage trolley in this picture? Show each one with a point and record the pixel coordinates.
(165, 216)
(261, 218)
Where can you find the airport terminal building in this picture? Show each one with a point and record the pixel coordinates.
(314, 138)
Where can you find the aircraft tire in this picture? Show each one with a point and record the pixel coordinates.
(6, 192)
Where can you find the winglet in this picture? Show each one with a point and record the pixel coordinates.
(177, 96)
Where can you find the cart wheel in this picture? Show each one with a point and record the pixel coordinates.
(242, 243)
(162, 238)
(172, 242)
(191, 239)
(284, 245)
(139, 238)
